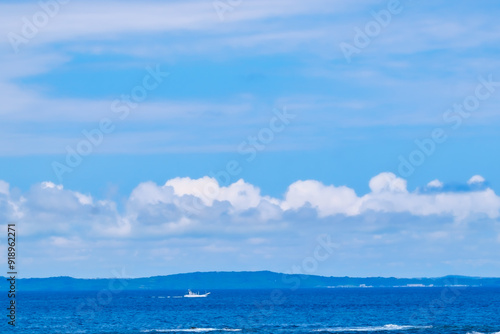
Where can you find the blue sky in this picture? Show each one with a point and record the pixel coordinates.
(333, 165)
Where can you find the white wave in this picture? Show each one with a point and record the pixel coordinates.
(474, 332)
(389, 327)
(193, 330)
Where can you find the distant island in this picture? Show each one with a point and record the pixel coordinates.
(241, 280)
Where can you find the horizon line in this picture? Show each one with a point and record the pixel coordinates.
(256, 271)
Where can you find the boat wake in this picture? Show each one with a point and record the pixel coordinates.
(192, 330)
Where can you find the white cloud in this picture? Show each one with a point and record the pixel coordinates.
(328, 200)
(83, 21)
(395, 198)
(458, 205)
(387, 182)
(238, 222)
(183, 205)
(4, 188)
(389, 194)
(241, 195)
(435, 184)
(476, 179)
(50, 185)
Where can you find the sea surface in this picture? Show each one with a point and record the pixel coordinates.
(457, 310)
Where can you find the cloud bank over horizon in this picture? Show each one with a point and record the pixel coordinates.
(196, 224)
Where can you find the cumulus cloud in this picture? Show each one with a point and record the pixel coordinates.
(389, 194)
(476, 179)
(240, 195)
(182, 205)
(187, 217)
(327, 200)
(387, 182)
(435, 184)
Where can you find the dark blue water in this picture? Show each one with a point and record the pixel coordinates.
(389, 310)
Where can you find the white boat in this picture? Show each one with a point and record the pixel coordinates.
(192, 294)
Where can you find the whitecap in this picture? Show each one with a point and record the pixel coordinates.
(389, 327)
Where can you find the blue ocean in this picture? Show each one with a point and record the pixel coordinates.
(459, 310)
